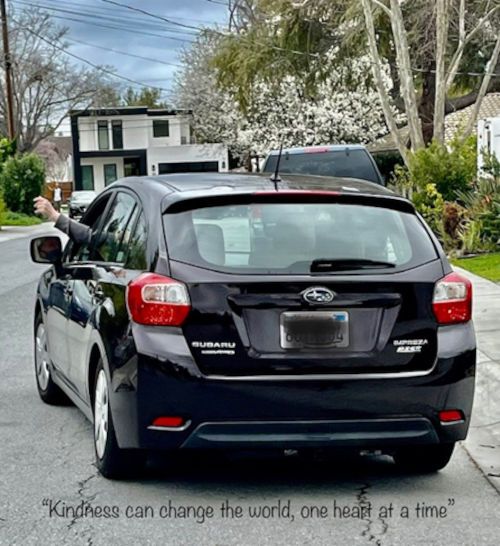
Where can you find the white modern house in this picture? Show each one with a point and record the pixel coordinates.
(115, 142)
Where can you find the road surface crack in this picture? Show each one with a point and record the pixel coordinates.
(366, 507)
(85, 499)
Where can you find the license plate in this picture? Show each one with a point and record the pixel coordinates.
(314, 329)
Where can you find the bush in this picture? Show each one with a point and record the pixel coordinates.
(429, 202)
(481, 229)
(452, 170)
(7, 149)
(21, 181)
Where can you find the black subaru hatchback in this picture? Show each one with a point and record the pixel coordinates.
(231, 312)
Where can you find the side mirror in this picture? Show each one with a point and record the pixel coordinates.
(46, 250)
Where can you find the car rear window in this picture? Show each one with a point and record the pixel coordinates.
(281, 238)
(343, 163)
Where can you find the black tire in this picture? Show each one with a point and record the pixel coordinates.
(49, 392)
(424, 459)
(112, 461)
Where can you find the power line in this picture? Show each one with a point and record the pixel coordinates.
(124, 53)
(123, 26)
(90, 63)
(139, 10)
(218, 2)
(109, 18)
(104, 10)
(131, 31)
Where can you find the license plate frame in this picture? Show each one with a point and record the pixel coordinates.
(314, 330)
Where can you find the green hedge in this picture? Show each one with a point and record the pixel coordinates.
(21, 181)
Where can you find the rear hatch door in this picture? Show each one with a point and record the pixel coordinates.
(290, 285)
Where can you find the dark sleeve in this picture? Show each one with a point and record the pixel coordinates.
(79, 233)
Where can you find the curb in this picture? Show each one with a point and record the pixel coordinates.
(10, 233)
(483, 441)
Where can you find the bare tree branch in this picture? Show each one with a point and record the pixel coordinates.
(490, 67)
(379, 80)
(46, 84)
(407, 83)
(382, 6)
(465, 39)
(440, 93)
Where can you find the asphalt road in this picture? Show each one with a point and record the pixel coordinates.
(47, 471)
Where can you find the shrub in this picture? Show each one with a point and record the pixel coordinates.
(452, 170)
(7, 149)
(430, 203)
(481, 229)
(21, 181)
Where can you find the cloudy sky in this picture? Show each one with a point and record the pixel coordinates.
(98, 26)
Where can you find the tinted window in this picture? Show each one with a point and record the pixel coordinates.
(115, 230)
(137, 245)
(109, 174)
(286, 238)
(92, 218)
(347, 163)
(87, 177)
(160, 128)
(102, 135)
(117, 132)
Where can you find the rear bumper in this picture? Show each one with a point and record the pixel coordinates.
(310, 412)
(297, 434)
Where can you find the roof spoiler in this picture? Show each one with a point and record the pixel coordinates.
(181, 203)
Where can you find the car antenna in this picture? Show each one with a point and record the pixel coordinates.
(275, 178)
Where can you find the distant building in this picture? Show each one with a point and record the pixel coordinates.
(133, 141)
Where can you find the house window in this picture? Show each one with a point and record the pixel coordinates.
(87, 177)
(110, 174)
(103, 135)
(117, 132)
(160, 128)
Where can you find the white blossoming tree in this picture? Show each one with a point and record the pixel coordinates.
(277, 113)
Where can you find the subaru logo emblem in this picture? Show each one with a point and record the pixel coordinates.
(318, 294)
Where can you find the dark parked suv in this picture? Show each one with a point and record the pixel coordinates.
(345, 160)
(217, 311)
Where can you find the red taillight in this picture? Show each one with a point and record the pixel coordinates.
(449, 416)
(157, 301)
(168, 422)
(452, 302)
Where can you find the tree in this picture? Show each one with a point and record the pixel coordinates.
(276, 114)
(147, 96)
(440, 54)
(47, 85)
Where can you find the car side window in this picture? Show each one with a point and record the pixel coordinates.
(108, 244)
(76, 252)
(136, 258)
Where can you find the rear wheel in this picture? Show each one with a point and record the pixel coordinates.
(424, 458)
(112, 461)
(49, 392)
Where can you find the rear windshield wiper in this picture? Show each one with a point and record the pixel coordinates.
(339, 264)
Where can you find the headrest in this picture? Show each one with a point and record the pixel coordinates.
(211, 246)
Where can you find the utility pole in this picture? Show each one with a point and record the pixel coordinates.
(8, 80)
